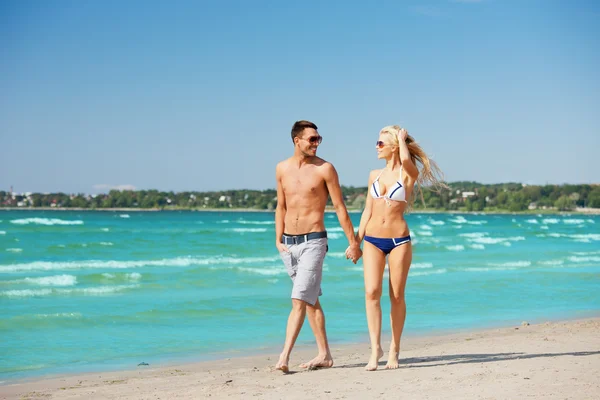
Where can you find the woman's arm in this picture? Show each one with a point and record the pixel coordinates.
(407, 164)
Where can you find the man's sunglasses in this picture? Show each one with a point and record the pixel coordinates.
(315, 139)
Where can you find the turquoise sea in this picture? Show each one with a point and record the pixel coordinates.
(85, 291)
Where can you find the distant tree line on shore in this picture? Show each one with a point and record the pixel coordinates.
(462, 196)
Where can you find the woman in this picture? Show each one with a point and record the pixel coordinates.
(386, 233)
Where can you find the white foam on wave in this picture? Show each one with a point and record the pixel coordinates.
(244, 222)
(578, 259)
(334, 235)
(106, 243)
(514, 264)
(550, 221)
(45, 221)
(425, 227)
(459, 220)
(573, 221)
(60, 315)
(425, 233)
(93, 291)
(105, 229)
(134, 276)
(248, 230)
(551, 262)
(477, 246)
(425, 273)
(491, 240)
(2, 232)
(223, 221)
(458, 247)
(14, 250)
(532, 221)
(585, 253)
(473, 234)
(114, 264)
(56, 280)
(477, 222)
(591, 221)
(421, 265)
(434, 222)
(589, 236)
(544, 227)
(124, 216)
(484, 269)
(339, 254)
(263, 271)
(335, 229)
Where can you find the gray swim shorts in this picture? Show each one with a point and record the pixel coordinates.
(304, 264)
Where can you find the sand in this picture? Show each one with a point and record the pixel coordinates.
(551, 360)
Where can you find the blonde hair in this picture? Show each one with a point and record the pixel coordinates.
(430, 175)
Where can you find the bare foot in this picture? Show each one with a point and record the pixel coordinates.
(282, 364)
(392, 360)
(374, 360)
(319, 362)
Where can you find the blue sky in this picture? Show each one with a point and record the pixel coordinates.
(201, 95)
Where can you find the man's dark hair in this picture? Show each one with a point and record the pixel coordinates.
(299, 127)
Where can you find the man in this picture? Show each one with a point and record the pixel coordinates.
(304, 182)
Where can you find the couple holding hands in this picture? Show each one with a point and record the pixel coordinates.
(304, 183)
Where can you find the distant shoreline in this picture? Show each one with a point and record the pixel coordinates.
(579, 211)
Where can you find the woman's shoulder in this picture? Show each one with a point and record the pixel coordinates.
(374, 174)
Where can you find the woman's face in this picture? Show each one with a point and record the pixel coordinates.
(384, 147)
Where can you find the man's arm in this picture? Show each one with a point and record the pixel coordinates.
(333, 186)
(280, 211)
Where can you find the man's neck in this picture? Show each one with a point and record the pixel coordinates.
(301, 159)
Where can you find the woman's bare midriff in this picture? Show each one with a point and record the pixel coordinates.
(387, 221)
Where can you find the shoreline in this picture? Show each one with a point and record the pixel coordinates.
(593, 211)
(510, 362)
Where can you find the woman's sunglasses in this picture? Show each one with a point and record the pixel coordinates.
(380, 144)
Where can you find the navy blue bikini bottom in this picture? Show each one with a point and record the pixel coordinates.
(387, 244)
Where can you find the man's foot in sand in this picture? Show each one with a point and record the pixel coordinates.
(392, 360)
(319, 362)
(374, 360)
(282, 364)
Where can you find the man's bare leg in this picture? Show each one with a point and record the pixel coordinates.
(295, 321)
(316, 318)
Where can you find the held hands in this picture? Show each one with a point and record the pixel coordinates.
(353, 252)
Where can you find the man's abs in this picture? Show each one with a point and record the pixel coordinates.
(299, 221)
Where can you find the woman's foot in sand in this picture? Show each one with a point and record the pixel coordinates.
(374, 360)
(319, 362)
(282, 364)
(392, 360)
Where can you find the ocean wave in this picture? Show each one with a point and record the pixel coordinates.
(424, 233)
(421, 265)
(551, 262)
(124, 216)
(477, 222)
(105, 229)
(335, 235)
(338, 254)
(263, 271)
(458, 220)
(491, 240)
(57, 280)
(544, 227)
(425, 227)
(14, 250)
(2, 232)
(434, 222)
(473, 234)
(115, 264)
(590, 236)
(484, 269)
(335, 229)
(244, 222)
(106, 243)
(550, 221)
(248, 230)
(532, 221)
(45, 221)
(585, 253)
(59, 315)
(515, 264)
(425, 273)
(458, 247)
(477, 246)
(573, 221)
(583, 259)
(92, 291)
